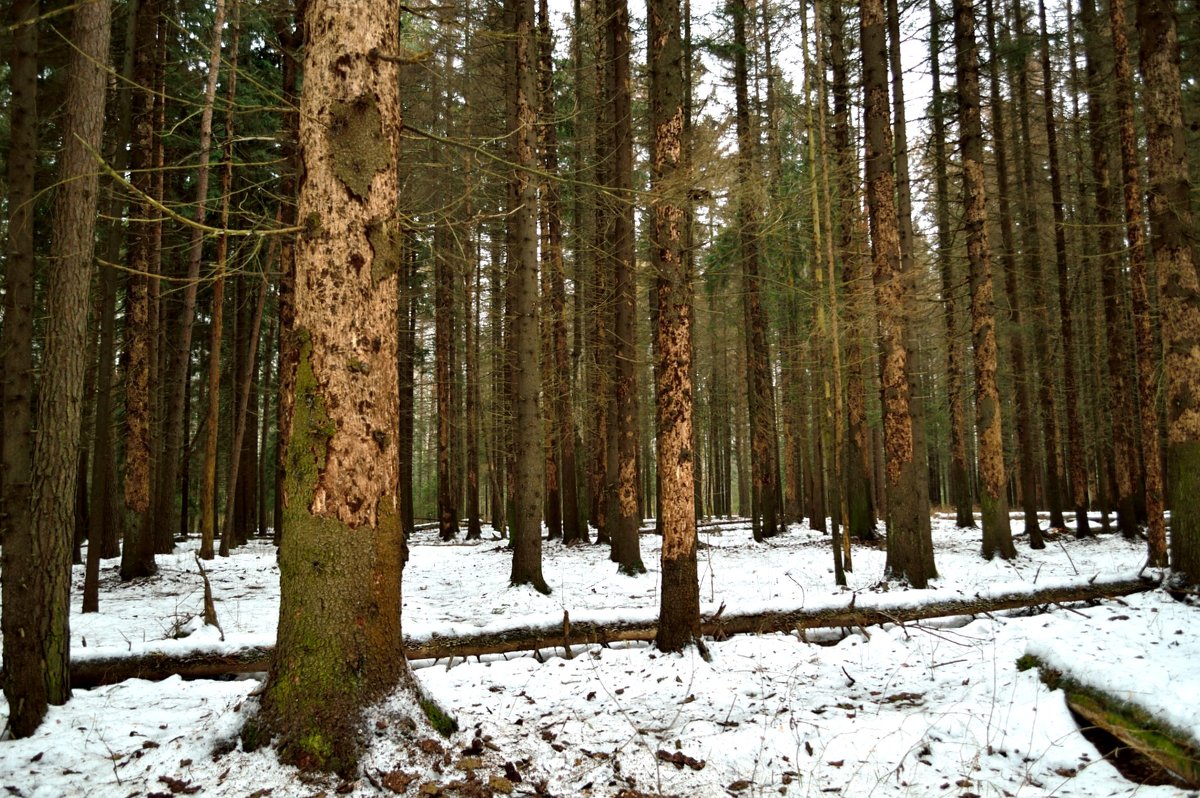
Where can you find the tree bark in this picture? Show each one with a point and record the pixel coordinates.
(1026, 455)
(137, 554)
(679, 597)
(1172, 228)
(910, 549)
(1075, 450)
(1149, 355)
(960, 482)
(340, 558)
(522, 292)
(993, 496)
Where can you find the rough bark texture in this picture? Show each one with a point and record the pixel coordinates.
(760, 393)
(1172, 229)
(993, 496)
(857, 292)
(910, 549)
(339, 644)
(37, 557)
(625, 550)
(679, 605)
(1148, 353)
(960, 483)
(137, 553)
(1026, 448)
(16, 345)
(522, 292)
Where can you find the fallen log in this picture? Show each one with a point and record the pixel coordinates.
(1134, 727)
(875, 609)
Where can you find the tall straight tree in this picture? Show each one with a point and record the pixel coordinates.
(445, 258)
(522, 296)
(993, 497)
(37, 557)
(340, 644)
(910, 549)
(625, 547)
(1075, 448)
(679, 606)
(960, 483)
(1121, 405)
(1148, 353)
(855, 281)
(1172, 230)
(1024, 407)
(137, 553)
(764, 448)
(16, 344)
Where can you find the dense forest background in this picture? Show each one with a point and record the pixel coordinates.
(940, 256)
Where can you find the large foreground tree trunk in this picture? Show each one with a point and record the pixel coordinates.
(340, 559)
(910, 550)
(1178, 287)
(679, 608)
(37, 557)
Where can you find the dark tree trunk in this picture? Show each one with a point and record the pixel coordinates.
(1026, 456)
(36, 557)
(137, 555)
(960, 482)
(522, 292)
(444, 280)
(855, 284)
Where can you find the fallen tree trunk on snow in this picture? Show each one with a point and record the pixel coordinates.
(876, 609)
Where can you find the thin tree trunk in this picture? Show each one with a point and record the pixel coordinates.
(1075, 451)
(1024, 406)
(625, 551)
(444, 260)
(960, 484)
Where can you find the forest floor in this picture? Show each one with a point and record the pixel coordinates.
(931, 708)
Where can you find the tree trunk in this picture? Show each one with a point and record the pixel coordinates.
(960, 483)
(1075, 450)
(1149, 355)
(764, 454)
(910, 549)
(340, 555)
(625, 550)
(522, 292)
(679, 605)
(137, 555)
(993, 496)
(1179, 289)
(1026, 456)
(444, 280)
(855, 285)
(37, 564)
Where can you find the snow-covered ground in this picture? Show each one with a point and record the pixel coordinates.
(937, 708)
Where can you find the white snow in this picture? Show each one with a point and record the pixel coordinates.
(926, 709)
